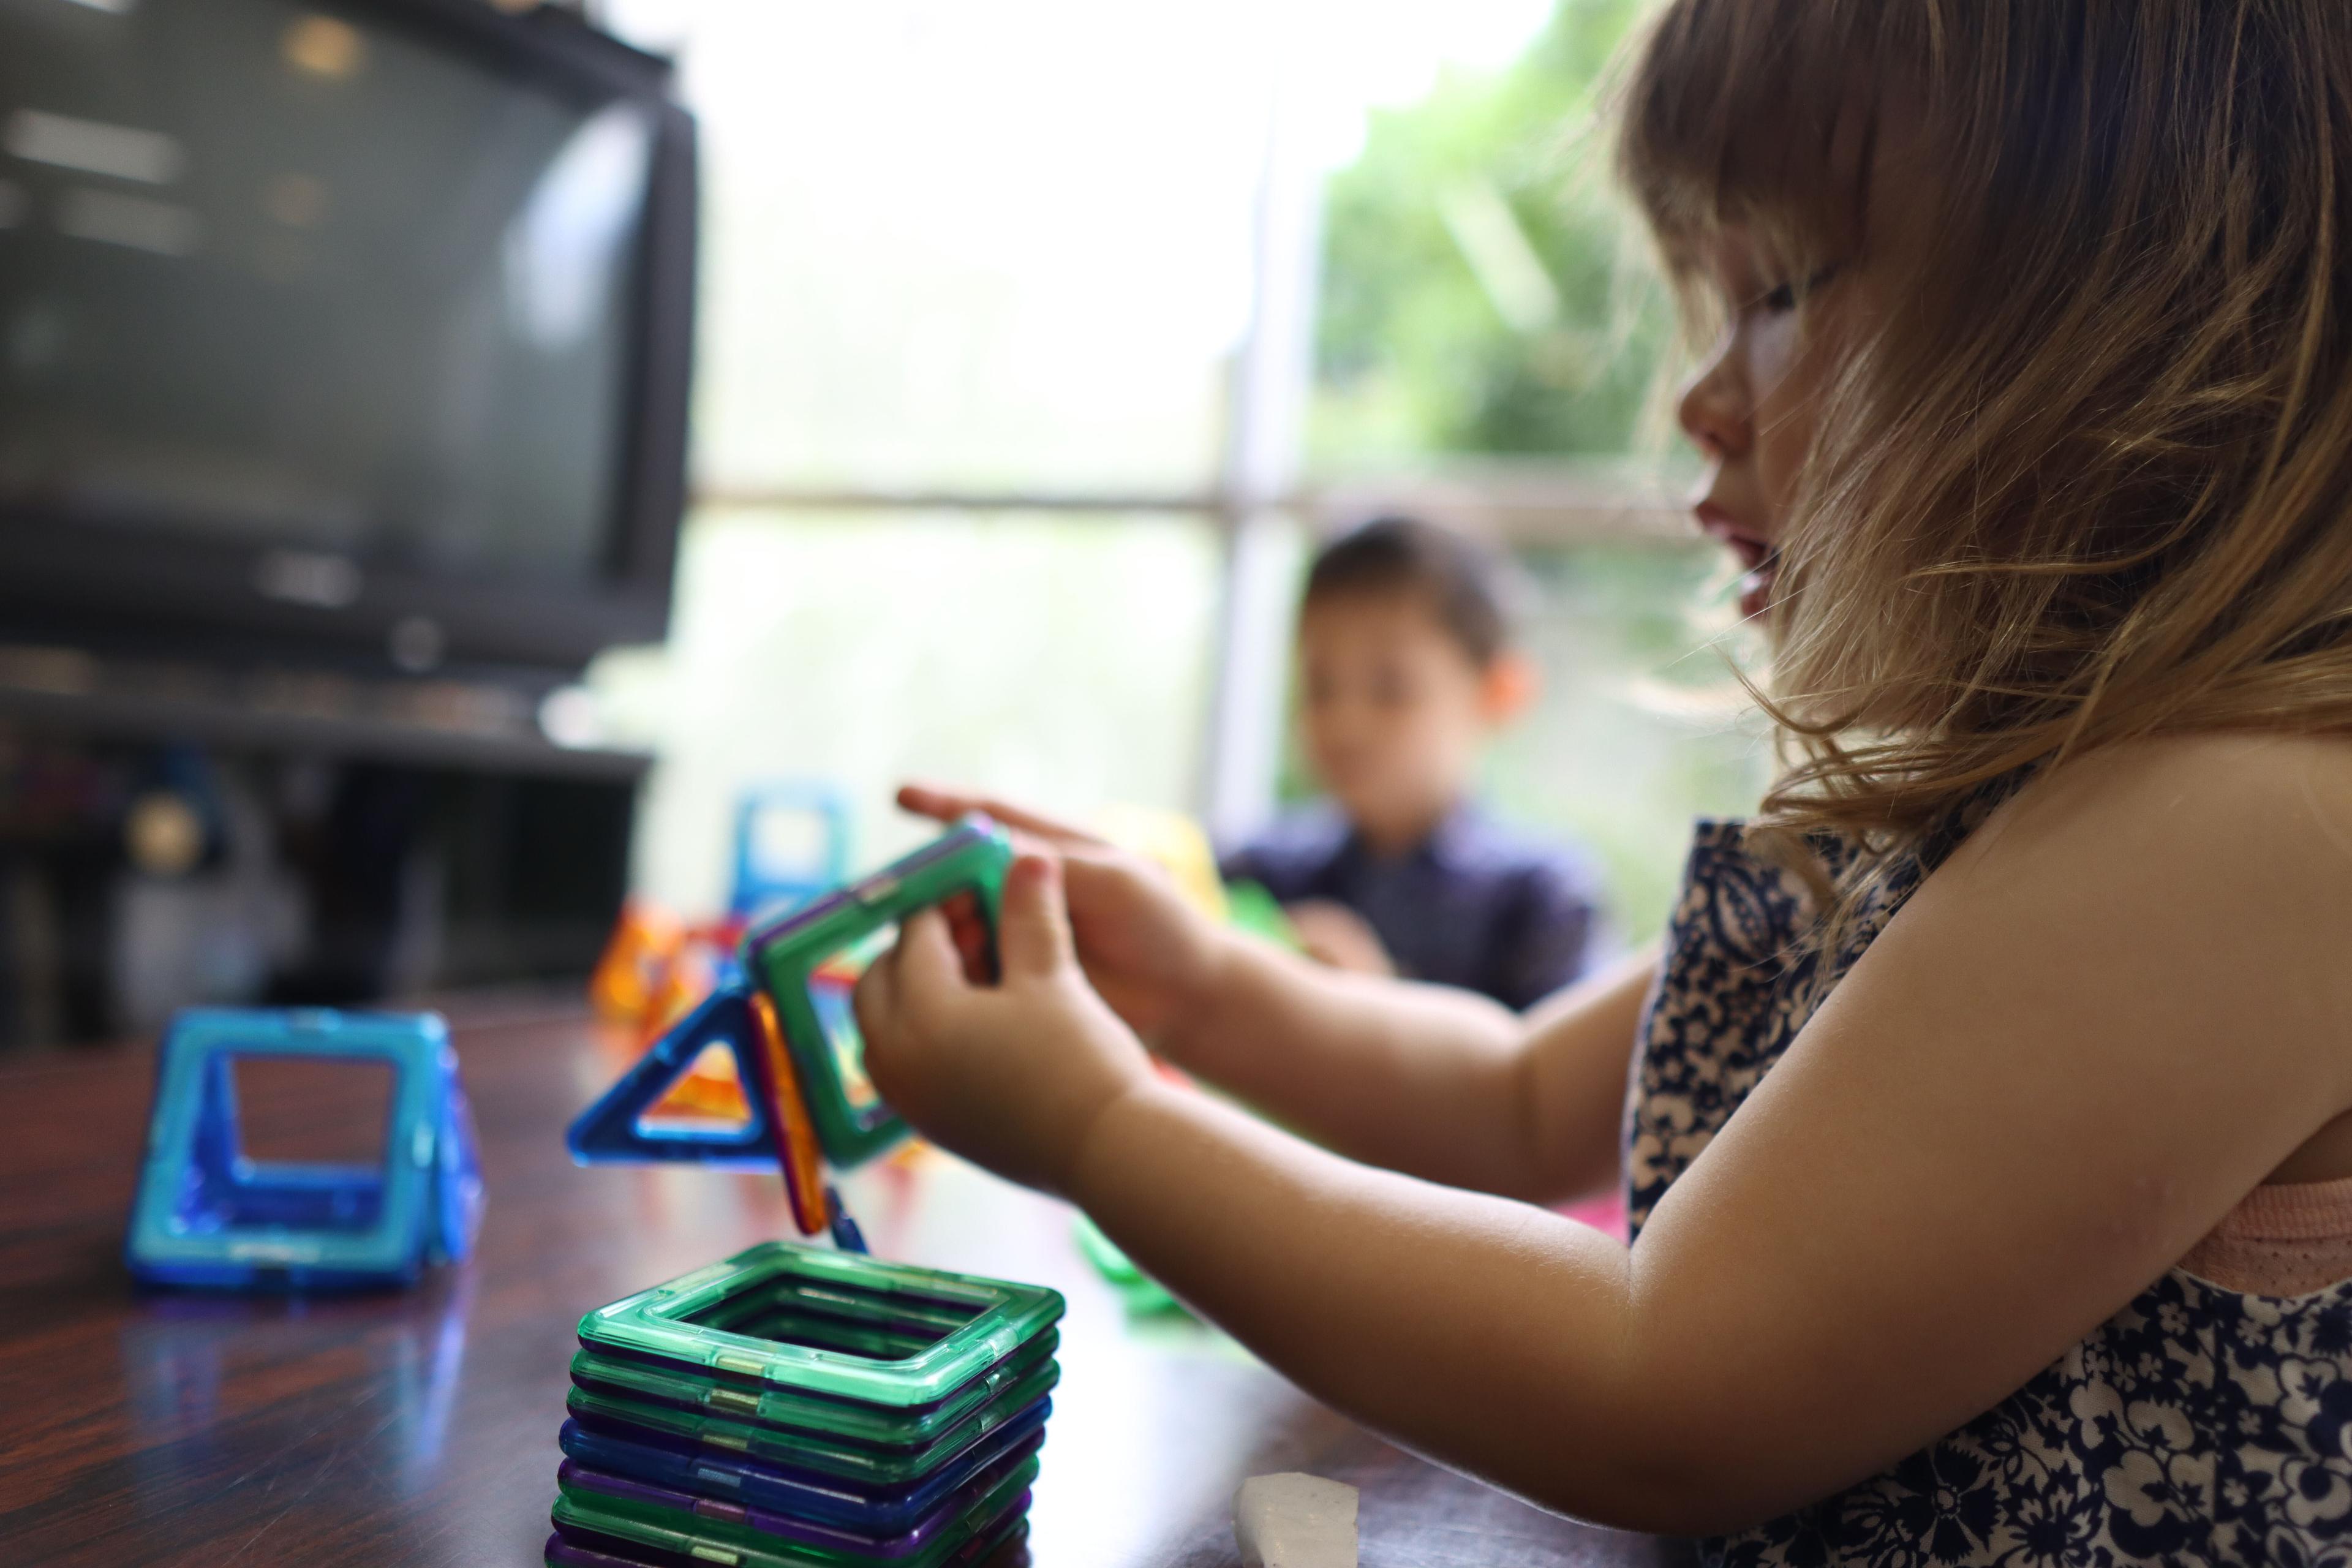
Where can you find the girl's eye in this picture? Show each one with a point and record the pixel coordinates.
(1780, 301)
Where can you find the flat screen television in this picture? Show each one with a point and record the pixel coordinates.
(349, 327)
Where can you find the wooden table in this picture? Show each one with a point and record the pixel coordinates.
(419, 1427)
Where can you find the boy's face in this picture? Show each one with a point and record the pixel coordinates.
(1393, 711)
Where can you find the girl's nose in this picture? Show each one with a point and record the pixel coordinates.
(1714, 409)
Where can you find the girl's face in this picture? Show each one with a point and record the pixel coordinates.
(1750, 408)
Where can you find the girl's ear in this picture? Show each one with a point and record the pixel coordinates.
(1508, 688)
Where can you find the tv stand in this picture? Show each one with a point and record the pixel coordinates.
(478, 725)
(328, 837)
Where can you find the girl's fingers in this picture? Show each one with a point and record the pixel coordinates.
(974, 943)
(1034, 936)
(873, 1003)
(946, 806)
(924, 967)
(1094, 860)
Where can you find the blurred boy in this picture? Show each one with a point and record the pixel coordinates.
(1407, 668)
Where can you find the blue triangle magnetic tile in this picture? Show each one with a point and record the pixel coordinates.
(615, 1131)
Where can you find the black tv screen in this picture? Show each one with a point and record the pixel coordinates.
(373, 310)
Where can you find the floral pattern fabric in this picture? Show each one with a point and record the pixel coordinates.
(2199, 1425)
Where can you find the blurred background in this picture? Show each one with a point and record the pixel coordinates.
(449, 454)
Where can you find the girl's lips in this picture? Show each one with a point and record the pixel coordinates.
(1756, 554)
(1717, 523)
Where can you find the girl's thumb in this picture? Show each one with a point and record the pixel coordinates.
(1033, 932)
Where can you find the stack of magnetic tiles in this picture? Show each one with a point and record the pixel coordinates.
(796, 1407)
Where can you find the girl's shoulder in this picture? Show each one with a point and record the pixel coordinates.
(2230, 805)
(2212, 867)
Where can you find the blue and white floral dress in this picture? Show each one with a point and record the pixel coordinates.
(2199, 1425)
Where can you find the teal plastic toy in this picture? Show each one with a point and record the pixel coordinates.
(747, 1412)
(206, 1214)
(865, 1466)
(785, 957)
(688, 1389)
(958, 1327)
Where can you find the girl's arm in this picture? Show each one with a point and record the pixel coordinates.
(1426, 1080)
(2118, 1007)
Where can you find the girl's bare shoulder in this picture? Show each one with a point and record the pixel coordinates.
(2226, 793)
(2216, 844)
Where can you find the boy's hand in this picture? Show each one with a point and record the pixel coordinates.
(1149, 953)
(1014, 1075)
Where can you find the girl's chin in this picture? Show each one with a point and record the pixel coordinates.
(1755, 593)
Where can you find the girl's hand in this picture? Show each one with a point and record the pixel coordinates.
(1012, 1076)
(1336, 936)
(1150, 954)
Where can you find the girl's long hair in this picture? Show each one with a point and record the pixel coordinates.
(2090, 478)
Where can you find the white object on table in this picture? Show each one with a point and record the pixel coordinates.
(1294, 1522)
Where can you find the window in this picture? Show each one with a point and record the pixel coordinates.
(974, 281)
(1488, 343)
(1014, 406)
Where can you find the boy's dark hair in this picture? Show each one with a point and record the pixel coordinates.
(1467, 586)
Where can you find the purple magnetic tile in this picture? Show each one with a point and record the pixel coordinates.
(786, 1527)
(563, 1551)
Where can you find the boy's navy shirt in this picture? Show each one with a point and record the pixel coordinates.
(1472, 905)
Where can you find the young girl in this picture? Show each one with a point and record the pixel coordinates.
(1985, 1131)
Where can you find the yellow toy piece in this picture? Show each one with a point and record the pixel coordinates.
(1175, 842)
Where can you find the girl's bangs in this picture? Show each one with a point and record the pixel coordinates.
(1755, 112)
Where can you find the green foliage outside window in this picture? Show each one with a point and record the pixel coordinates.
(1484, 291)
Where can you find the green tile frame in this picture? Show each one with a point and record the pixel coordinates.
(1003, 1317)
(783, 957)
(717, 1393)
(859, 1463)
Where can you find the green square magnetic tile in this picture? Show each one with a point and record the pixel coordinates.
(783, 955)
(990, 1318)
(864, 1463)
(717, 1393)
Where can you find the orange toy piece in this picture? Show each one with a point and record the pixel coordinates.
(653, 972)
(795, 1132)
(690, 977)
(710, 1091)
(632, 973)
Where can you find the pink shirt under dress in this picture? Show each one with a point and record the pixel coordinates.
(2288, 1239)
